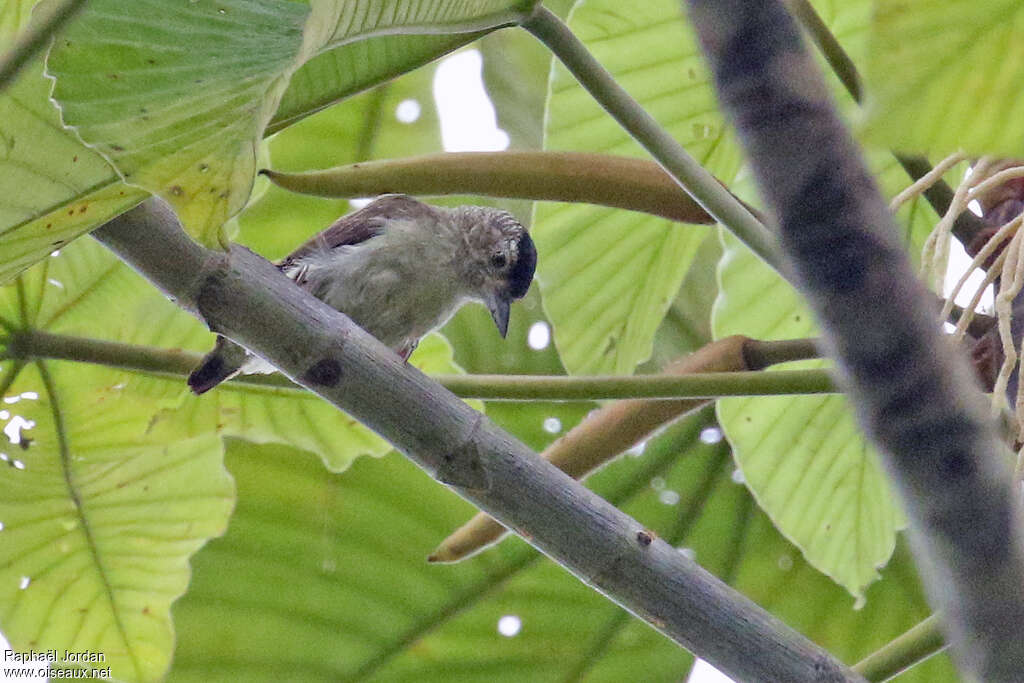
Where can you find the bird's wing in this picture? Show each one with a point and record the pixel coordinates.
(363, 225)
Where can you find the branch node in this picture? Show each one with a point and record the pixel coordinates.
(463, 467)
(209, 285)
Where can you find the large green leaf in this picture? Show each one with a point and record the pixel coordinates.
(99, 519)
(355, 67)
(177, 96)
(607, 275)
(14, 16)
(803, 457)
(945, 75)
(52, 188)
(322, 578)
(55, 188)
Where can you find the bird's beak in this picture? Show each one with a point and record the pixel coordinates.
(499, 308)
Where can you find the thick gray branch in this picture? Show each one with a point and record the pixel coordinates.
(916, 398)
(243, 296)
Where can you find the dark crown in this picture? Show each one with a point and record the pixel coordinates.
(521, 275)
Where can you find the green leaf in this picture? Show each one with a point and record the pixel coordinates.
(52, 188)
(803, 457)
(100, 520)
(322, 578)
(177, 96)
(76, 176)
(608, 276)
(355, 67)
(14, 16)
(945, 75)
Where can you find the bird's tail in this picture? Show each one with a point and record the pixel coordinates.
(226, 359)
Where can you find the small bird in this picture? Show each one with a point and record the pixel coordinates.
(399, 269)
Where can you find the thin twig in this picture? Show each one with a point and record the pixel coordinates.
(666, 150)
(27, 345)
(912, 647)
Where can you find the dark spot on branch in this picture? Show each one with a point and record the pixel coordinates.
(326, 372)
(644, 538)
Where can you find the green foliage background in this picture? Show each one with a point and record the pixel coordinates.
(111, 498)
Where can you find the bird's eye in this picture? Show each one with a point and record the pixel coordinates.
(499, 260)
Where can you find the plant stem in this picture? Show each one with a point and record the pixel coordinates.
(842, 66)
(35, 344)
(691, 176)
(916, 645)
(34, 39)
(701, 385)
(761, 354)
(603, 179)
(29, 345)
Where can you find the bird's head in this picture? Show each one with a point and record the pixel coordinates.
(500, 258)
